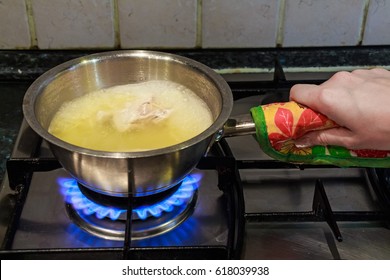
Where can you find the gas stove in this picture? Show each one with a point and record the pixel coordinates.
(198, 217)
(236, 204)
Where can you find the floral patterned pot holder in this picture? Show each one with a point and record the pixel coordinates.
(279, 124)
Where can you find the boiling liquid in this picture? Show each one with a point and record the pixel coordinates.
(133, 117)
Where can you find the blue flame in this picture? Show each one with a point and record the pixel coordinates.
(72, 194)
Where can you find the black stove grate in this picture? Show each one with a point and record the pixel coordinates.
(21, 167)
(321, 208)
(20, 172)
(379, 179)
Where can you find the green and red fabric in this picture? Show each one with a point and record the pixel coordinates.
(279, 124)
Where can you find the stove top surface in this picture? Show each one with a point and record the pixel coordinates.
(285, 212)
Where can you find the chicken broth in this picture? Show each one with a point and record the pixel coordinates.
(133, 117)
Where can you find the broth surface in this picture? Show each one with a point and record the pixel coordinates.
(133, 117)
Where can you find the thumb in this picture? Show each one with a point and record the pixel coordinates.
(338, 136)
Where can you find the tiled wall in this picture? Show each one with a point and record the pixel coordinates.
(109, 24)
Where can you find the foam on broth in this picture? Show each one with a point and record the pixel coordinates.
(133, 117)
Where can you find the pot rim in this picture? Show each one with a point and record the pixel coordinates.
(42, 81)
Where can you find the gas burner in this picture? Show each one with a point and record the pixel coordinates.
(148, 219)
(121, 203)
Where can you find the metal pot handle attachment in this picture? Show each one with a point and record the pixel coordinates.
(234, 126)
(237, 126)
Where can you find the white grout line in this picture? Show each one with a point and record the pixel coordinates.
(363, 23)
(199, 22)
(31, 24)
(280, 27)
(117, 42)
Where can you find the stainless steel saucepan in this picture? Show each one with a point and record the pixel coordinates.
(118, 173)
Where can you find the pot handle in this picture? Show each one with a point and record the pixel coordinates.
(237, 126)
(279, 124)
(234, 126)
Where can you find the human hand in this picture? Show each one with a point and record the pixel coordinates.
(359, 101)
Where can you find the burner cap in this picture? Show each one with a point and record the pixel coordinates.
(122, 202)
(147, 219)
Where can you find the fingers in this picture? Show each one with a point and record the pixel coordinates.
(312, 95)
(305, 94)
(335, 136)
(372, 73)
(322, 100)
(347, 99)
(330, 98)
